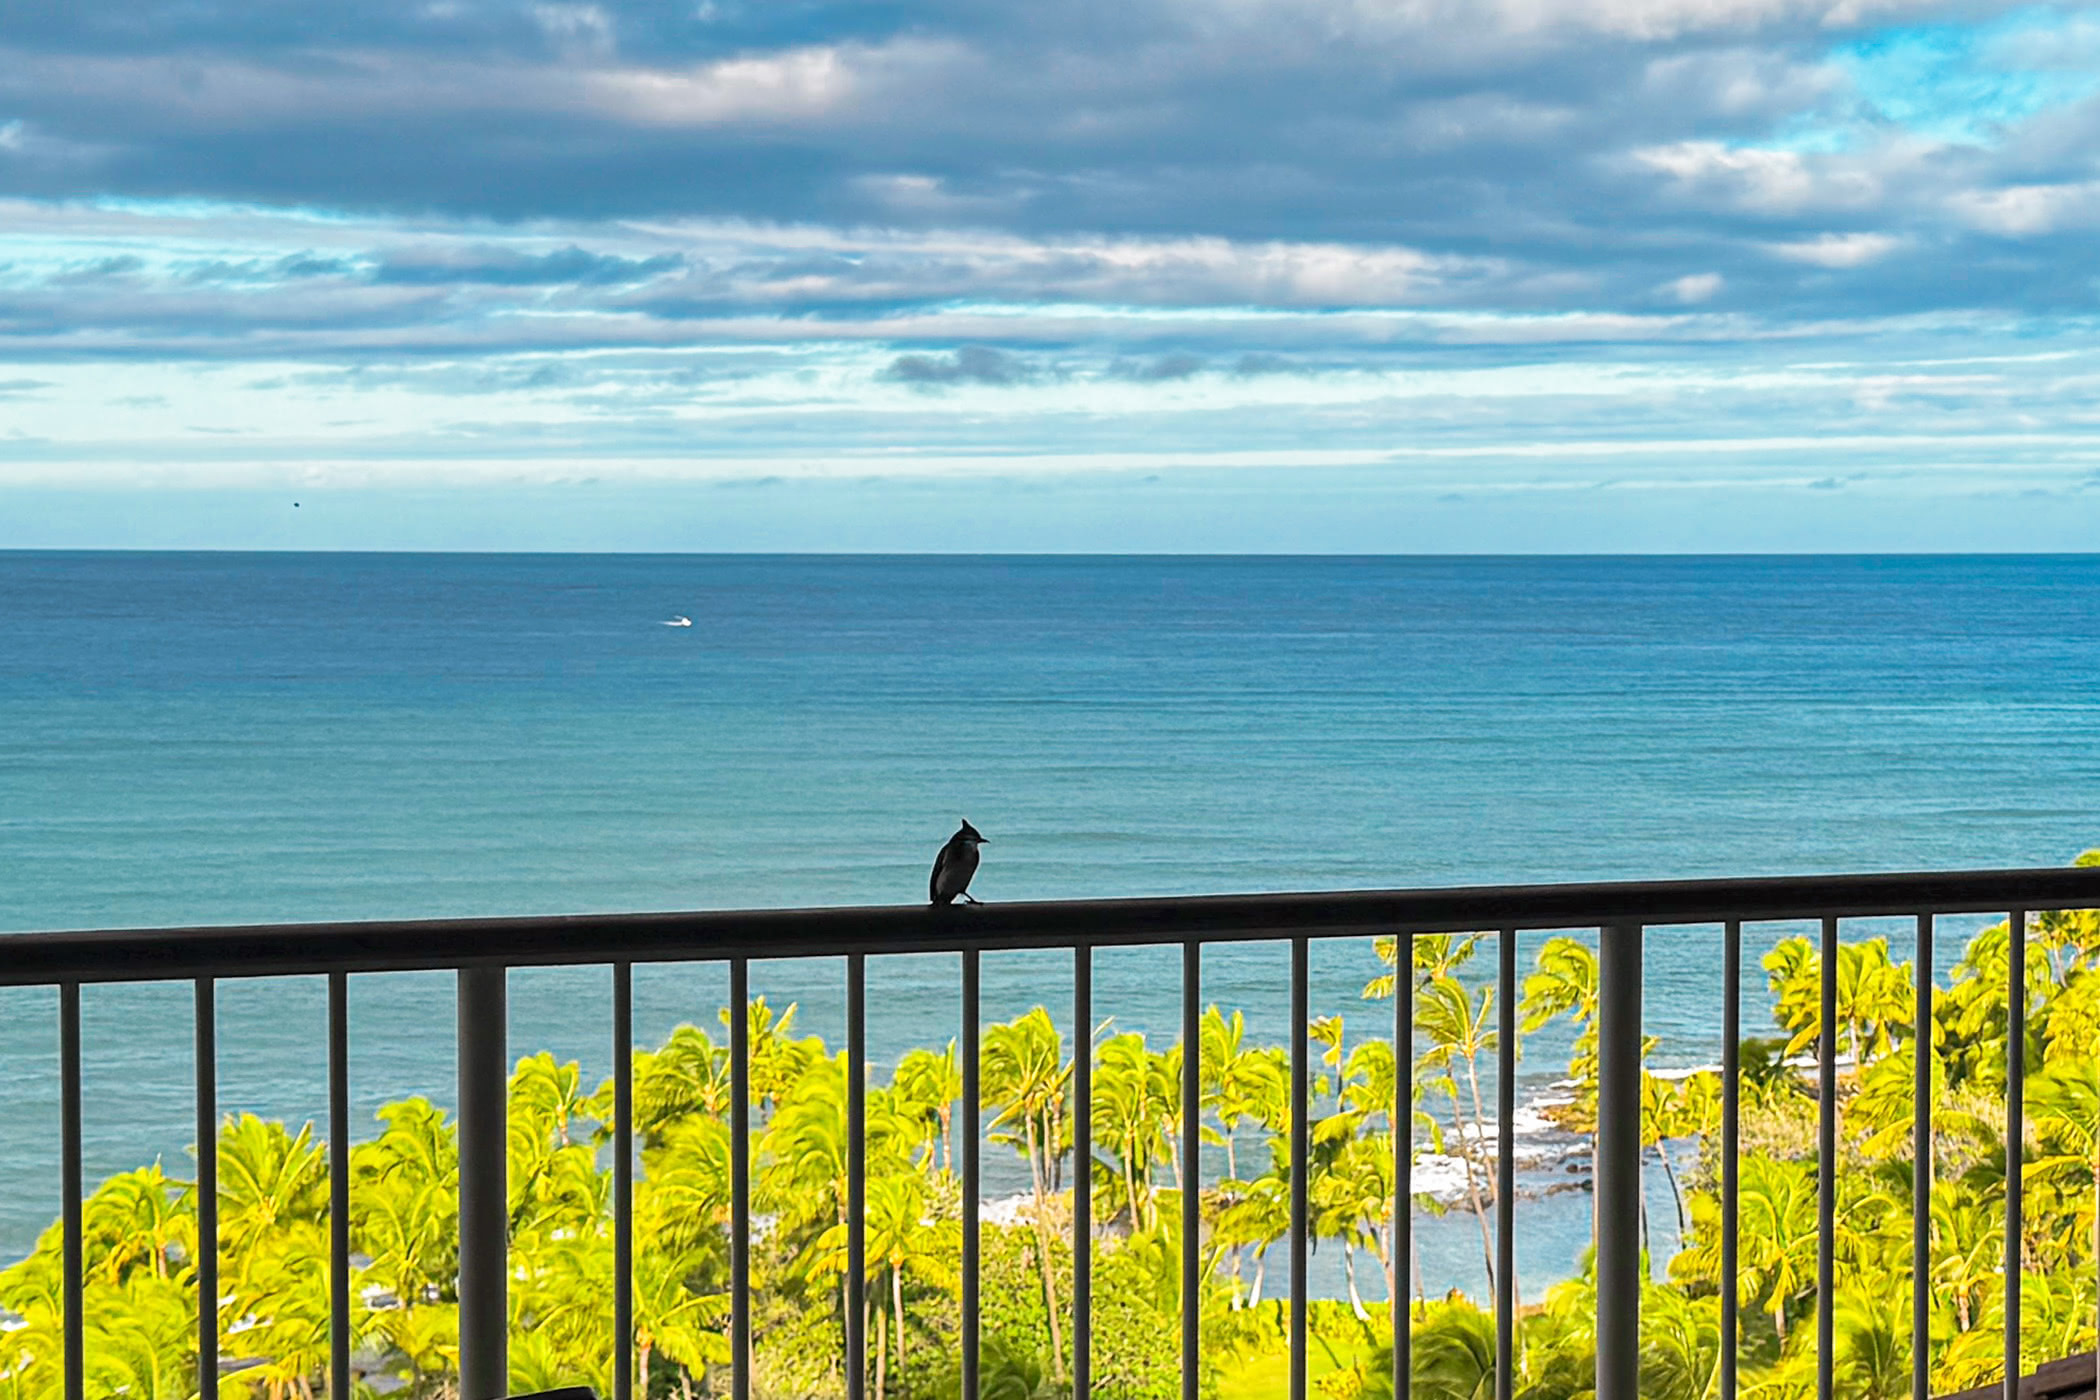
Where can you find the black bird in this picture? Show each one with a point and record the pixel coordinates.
(954, 866)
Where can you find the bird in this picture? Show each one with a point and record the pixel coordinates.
(954, 866)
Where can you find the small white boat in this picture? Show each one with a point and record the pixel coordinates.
(679, 621)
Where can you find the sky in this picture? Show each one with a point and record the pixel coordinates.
(980, 275)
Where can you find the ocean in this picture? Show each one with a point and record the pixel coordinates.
(226, 738)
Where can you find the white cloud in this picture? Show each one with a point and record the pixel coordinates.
(800, 84)
(1838, 250)
(2020, 211)
(1763, 180)
(1694, 288)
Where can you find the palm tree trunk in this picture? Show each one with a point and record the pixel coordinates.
(897, 1303)
(882, 1351)
(1042, 1254)
(1465, 1159)
(1356, 1298)
(1670, 1174)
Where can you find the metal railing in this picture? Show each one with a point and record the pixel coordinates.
(482, 949)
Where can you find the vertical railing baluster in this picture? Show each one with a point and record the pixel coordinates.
(970, 1128)
(623, 1179)
(1403, 1241)
(1082, 1171)
(1921, 1169)
(2015, 1135)
(1731, 1117)
(484, 1204)
(856, 1175)
(338, 1186)
(1506, 1171)
(73, 1276)
(740, 1178)
(1191, 1164)
(1617, 1163)
(1301, 1154)
(207, 1188)
(1826, 1168)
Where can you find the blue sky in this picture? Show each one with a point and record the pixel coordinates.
(1152, 274)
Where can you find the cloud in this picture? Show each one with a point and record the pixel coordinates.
(971, 364)
(509, 267)
(1693, 289)
(614, 234)
(1163, 368)
(1839, 250)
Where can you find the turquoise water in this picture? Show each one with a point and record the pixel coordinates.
(230, 738)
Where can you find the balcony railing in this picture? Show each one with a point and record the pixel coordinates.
(481, 950)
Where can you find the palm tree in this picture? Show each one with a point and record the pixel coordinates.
(927, 1086)
(1352, 1200)
(1873, 1342)
(1024, 1076)
(1874, 996)
(1776, 1228)
(1133, 1100)
(404, 1202)
(1565, 983)
(902, 1242)
(1242, 1084)
(1454, 1353)
(134, 1222)
(2065, 1103)
(1458, 1034)
(688, 1074)
(268, 1179)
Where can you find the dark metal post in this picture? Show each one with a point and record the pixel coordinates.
(1921, 1171)
(483, 1191)
(207, 1189)
(339, 1186)
(1506, 1173)
(856, 1175)
(2015, 1136)
(1731, 1116)
(1826, 1172)
(1191, 1165)
(73, 1282)
(1617, 1167)
(623, 1179)
(740, 1179)
(1403, 1245)
(1301, 1155)
(1082, 1172)
(969, 1126)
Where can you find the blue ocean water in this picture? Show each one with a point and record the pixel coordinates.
(230, 738)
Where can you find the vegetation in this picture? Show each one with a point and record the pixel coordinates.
(141, 1243)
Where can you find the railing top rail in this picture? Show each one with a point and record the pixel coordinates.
(122, 955)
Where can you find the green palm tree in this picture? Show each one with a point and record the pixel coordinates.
(268, 1179)
(1777, 1234)
(1875, 997)
(1024, 1076)
(404, 1202)
(2064, 1102)
(1133, 1092)
(687, 1076)
(902, 1243)
(927, 1086)
(1564, 982)
(1253, 1215)
(1457, 1028)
